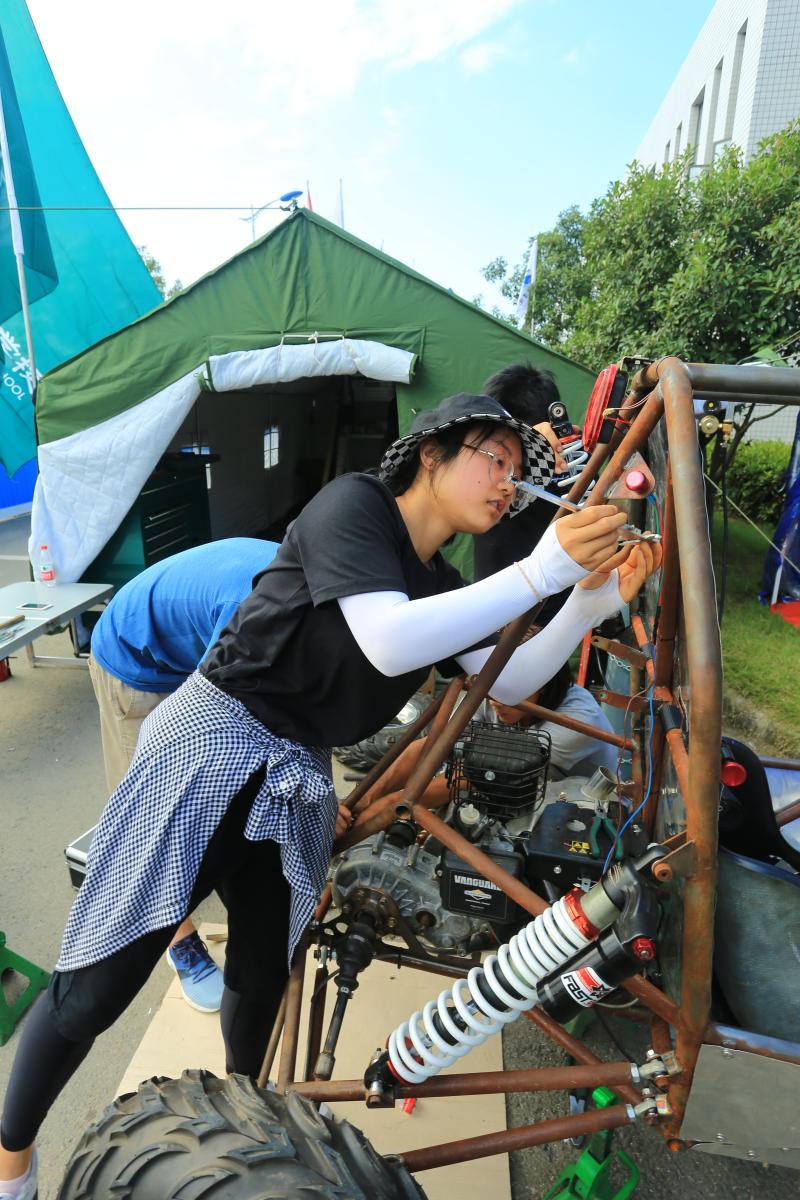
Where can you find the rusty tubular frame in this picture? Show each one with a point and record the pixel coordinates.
(482, 1083)
(704, 658)
(396, 749)
(754, 1043)
(599, 735)
(291, 1024)
(660, 390)
(782, 764)
(775, 384)
(575, 1048)
(790, 813)
(507, 1140)
(272, 1044)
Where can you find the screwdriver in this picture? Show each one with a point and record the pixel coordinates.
(542, 494)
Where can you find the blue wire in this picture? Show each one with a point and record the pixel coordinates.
(636, 811)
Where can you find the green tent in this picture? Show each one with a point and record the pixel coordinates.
(297, 359)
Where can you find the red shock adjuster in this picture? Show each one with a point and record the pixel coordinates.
(572, 903)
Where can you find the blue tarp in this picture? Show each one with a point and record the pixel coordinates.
(102, 283)
(786, 536)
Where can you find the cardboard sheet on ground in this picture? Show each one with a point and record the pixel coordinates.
(178, 1037)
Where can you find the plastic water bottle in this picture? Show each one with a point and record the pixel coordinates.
(47, 572)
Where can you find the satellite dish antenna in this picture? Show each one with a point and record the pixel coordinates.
(289, 199)
(286, 203)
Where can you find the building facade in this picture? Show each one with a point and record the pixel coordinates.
(739, 83)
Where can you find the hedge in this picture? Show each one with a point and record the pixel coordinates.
(756, 479)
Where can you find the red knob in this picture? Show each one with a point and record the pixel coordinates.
(643, 947)
(636, 481)
(732, 774)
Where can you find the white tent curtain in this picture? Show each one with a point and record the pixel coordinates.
(89, 480)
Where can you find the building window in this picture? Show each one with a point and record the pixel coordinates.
(736, 74)
(272, 440)
(711, 127)
(666, 152)
(678, 135)
(695, 122)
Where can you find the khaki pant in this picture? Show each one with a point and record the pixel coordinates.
(122, 711)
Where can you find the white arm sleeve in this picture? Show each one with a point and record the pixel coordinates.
(398, 635)
(535, 662)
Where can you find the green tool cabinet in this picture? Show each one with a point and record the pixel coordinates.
(170, 514)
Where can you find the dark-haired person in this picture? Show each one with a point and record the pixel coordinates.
(527, 393)
(230, 785)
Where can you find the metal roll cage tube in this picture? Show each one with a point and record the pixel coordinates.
(659, 390)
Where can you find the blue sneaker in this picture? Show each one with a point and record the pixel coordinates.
(200, 977)
(28, 1191)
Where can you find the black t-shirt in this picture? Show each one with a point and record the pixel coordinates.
(288, 654)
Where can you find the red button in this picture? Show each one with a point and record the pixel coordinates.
(733, 774)
(643, 947)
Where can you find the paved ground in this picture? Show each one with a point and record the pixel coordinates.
(52, 790)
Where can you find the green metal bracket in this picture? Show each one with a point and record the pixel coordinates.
(38, 980)
(590, 1177)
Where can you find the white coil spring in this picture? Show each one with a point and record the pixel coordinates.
(533, 953)
(576, 458)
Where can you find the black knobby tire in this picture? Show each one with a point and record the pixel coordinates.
(226, 1139)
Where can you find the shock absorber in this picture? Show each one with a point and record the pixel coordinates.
(567, 957)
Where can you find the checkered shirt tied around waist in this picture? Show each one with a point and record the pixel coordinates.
(195, 752)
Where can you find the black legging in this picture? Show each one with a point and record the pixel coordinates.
(60, 1029)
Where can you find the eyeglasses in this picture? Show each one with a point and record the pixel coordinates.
(501, 468)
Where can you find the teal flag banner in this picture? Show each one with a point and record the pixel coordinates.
(40, 268)
(84, 275)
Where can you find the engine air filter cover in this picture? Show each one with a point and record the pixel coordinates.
(502, 768)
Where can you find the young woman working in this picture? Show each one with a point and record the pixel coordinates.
(230, 787)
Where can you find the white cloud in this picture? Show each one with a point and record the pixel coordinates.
(304, 56)
(193, 102)
(481, 56)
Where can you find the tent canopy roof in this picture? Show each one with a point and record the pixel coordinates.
(305, 279)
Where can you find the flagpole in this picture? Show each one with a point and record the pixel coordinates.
(535, 260)
(528, 280)
(16, 241)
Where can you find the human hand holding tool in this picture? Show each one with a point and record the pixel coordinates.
(590, 535)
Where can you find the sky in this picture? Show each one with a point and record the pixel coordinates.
(458, 127)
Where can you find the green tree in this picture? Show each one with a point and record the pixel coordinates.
(157, 274)
(707, 267)
(737, 287)
(632, 243)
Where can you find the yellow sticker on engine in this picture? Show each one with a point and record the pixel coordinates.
(577, 847)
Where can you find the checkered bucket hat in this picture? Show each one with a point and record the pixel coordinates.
(538, 460)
